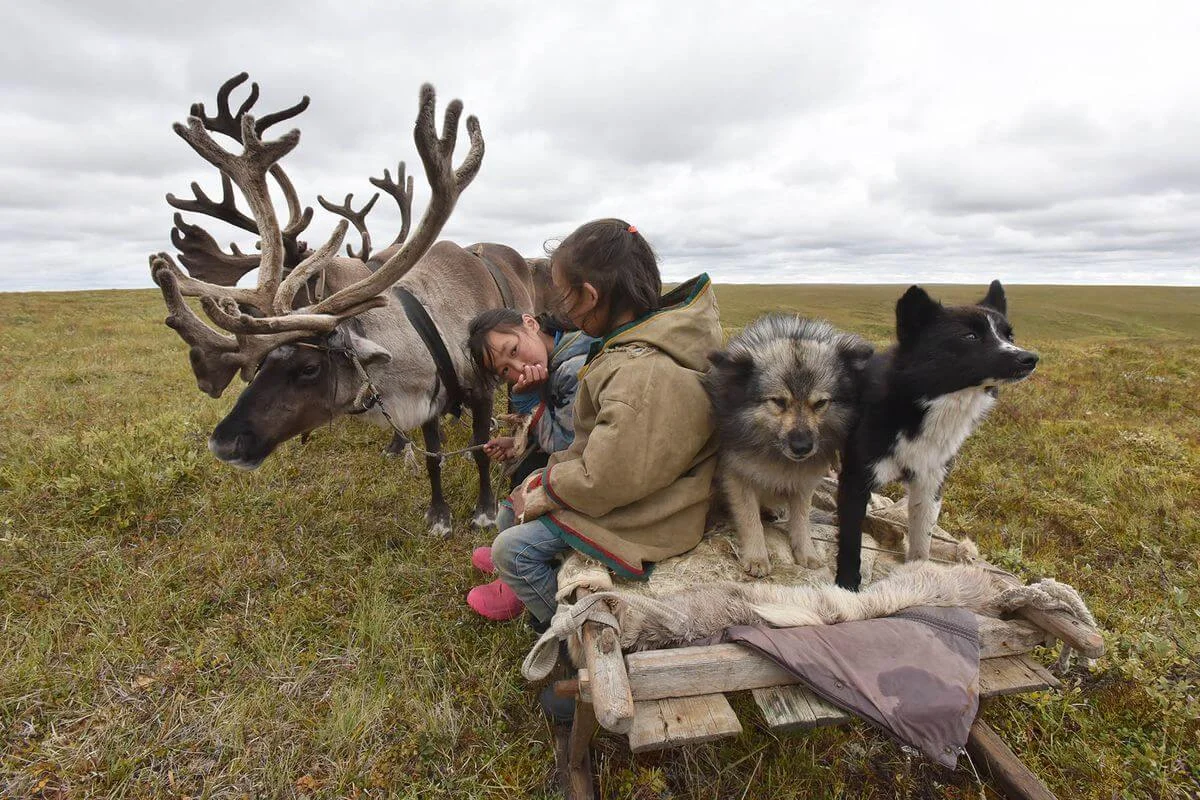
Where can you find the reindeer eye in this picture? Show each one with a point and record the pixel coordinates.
(310, 370)
(970, 336)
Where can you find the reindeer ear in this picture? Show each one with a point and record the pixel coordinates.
(368, 351)
(914, 311)
(855, 351)
(995, 298)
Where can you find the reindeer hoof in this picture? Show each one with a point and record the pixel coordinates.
(439, 522)
(483, 519)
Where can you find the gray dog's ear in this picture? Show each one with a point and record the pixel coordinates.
(995, 298)
(855, 351)
(734, 363)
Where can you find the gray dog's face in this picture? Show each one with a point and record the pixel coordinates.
(786, 387)
(796, 385)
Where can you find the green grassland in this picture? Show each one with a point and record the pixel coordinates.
(171, 627)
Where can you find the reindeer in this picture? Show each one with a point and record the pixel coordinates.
(322, 335)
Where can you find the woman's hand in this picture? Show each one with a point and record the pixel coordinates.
(500, 448)
(532, 375)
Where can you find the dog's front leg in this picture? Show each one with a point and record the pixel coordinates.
(800, 507)
(752, 543)
(924, 505)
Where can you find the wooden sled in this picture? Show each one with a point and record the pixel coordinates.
(667, 698)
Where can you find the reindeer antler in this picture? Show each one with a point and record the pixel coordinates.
(216, 357)
(357, 218)
(209, 261)
(402, 193)
(446, 184)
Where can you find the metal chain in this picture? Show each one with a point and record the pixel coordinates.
(377, 400)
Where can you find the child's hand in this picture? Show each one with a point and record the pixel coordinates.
(500, 448)
(532, 375)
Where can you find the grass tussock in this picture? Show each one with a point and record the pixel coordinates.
(170, 627)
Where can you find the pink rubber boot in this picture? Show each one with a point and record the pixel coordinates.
(495, 601)
(482, 559)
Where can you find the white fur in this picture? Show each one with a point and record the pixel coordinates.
(949, 420)
(1004, 344)
(694, 614)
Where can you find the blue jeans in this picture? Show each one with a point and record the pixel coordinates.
(523, 555)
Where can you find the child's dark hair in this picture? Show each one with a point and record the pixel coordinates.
(613, 257)
(504, 320)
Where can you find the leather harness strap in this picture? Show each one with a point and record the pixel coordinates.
(414, 309)
(497, 276)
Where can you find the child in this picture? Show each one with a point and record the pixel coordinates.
(633, 488)
(540, 361)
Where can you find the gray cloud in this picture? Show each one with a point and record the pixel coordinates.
(927, 142)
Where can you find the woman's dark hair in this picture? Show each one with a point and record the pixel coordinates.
(613, 257)
(504, 320)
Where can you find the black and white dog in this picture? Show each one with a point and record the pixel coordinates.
(921, 400)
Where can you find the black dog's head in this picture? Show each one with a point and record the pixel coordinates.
(958, 347)
(787, 387)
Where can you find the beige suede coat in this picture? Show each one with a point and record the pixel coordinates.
(634, 486)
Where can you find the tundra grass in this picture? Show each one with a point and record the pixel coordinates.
(170, 627)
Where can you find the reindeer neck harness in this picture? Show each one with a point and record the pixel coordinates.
(446, 376)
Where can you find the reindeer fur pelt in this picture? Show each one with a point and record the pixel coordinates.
(648, 623)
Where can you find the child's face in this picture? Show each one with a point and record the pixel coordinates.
(580, 304)
(512, 351)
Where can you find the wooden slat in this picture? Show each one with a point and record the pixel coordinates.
(609, 686)
(686, 671)
(1008, 637)
(790, 708)
(990, 751)
(658, 724)
(1012, 675)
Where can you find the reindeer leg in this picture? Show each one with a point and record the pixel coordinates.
(398, 447)
(481, 429)
(438, 516)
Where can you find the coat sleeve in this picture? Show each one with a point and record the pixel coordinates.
(640, 443)
(555, 428)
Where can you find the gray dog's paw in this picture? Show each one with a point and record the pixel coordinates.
(758, 565)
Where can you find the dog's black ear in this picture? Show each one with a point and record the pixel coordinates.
(855, 351)
(995, 298)
(737, 364)
(914, 311)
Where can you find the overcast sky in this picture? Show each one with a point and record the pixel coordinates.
(761, 142)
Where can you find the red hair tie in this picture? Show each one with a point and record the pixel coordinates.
(633, 229)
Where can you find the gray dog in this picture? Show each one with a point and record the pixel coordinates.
(784, 392)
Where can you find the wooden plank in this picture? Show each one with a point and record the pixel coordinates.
(1084, 639)
(791, 708)
(609, 685)
(989, 750)
(1012, 675)
(658, 724)
(687, 671)
(579, 759)
(1008, 637)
